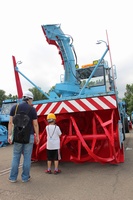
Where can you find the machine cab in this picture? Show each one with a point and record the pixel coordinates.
(100, 81)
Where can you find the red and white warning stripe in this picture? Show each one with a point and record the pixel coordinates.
(77, 105)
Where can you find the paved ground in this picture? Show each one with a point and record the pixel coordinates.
(88, 181)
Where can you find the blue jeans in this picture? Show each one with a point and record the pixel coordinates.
(18, 150)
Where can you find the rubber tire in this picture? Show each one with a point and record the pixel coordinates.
(126, 126)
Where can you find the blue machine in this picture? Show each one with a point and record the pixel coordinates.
(86, 105)
(4, 119)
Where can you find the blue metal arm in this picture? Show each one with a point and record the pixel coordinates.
(16, 68)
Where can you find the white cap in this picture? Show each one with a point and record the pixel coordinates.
(28, 95)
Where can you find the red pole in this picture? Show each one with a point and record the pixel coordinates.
(18, 84)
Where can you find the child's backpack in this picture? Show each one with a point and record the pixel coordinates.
(22, 126)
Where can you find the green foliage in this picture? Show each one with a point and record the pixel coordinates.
(2, 96)
(10, 96)
(37, 94)
(129, 98)
(52, 88)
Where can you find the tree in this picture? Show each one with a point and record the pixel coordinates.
(11, 97)
(129, 98)
(37, 94)
(2, 96)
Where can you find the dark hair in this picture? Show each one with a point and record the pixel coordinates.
(51, 120)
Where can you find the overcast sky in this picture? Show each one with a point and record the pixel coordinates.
(86, 21)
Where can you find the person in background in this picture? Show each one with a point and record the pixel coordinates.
(25, 149)
(53, 144)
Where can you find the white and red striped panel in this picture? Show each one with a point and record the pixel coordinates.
(77, 105)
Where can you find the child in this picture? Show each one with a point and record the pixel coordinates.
(53, 144)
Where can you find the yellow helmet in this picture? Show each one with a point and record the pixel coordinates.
(51, 117)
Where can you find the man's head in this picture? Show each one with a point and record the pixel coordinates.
(28, 96)
(51, 117)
